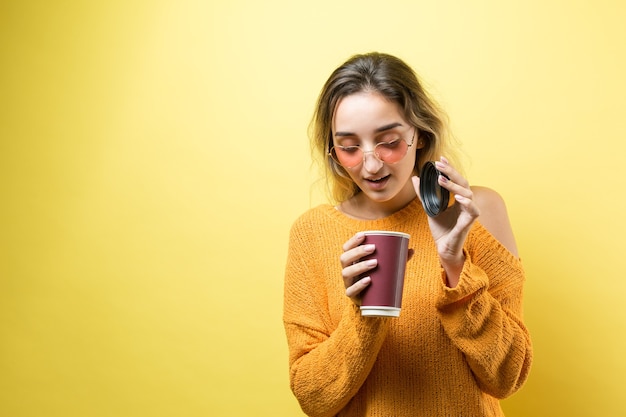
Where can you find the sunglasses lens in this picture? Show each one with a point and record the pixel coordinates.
(391, 152)
(388, 152)
(347, 157)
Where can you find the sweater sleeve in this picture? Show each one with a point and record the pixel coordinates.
(482, 316)
(327, 365)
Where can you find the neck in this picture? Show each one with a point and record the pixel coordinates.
(364, 208)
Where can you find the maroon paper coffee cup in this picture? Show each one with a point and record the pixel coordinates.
(383, 297)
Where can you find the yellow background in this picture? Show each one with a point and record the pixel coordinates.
(153, 155)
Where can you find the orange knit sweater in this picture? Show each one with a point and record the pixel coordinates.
(452, 351)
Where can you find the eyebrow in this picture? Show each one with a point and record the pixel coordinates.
(378, 130)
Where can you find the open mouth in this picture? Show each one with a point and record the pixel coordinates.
(377, 183)
(377, 180)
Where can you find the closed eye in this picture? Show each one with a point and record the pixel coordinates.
(349, 149)
(391, 144)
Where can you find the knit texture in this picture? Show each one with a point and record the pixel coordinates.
(452, 351)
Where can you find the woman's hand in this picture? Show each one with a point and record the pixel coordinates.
(354, 267)
(451, 227)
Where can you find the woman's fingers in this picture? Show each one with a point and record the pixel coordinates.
(455, 182)
(457, 185)
(351, 256)
(416, 185)
(354, 241)
(352, 272)
(355, 278)
(355, 289)
(355, 268)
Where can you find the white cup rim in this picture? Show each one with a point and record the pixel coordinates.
(386, 233)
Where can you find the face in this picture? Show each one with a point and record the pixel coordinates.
(366, 119)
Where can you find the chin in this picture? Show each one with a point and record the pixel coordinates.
(380, 196)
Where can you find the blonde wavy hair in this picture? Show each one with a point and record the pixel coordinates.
(394, 79)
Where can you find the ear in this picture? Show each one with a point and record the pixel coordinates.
(421, 142)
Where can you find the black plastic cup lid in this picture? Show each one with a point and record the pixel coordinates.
(434, 197)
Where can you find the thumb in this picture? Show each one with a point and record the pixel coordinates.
(416, 185)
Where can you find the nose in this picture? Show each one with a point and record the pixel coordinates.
(371, 163)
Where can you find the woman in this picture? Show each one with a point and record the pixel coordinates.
(459, 344)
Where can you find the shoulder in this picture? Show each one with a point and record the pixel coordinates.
(494, 216)
(312, 219)
(314, 214)
(488, 200)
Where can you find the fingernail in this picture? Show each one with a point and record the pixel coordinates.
(370, 247)
(443, 179)
(371, 262)
(444, 160)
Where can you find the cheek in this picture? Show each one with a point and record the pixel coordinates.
(410, 161)
(353, 175)
(403, 170)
